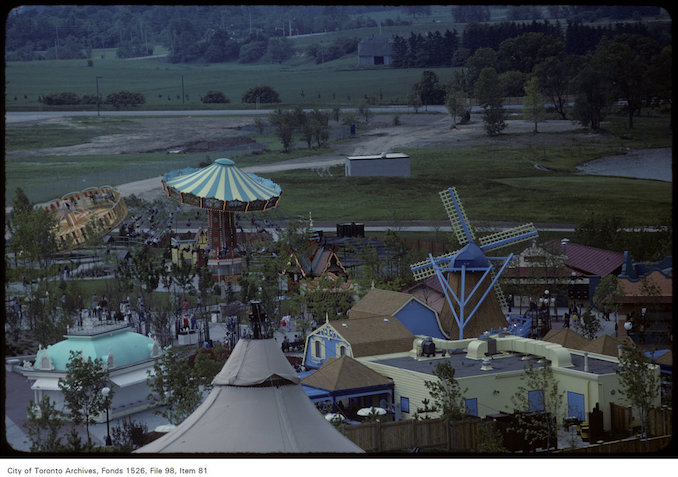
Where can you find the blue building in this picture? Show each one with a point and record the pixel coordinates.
(415, 315)
(356, 337)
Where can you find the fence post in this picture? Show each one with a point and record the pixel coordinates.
(377, 437)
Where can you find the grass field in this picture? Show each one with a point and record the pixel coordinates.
(333, 83)
(497, 182)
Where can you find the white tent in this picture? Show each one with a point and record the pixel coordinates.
(256, 406)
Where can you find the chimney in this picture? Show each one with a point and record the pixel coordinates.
(586, 362)
(563, 246)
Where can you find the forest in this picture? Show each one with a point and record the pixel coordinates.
(250, 33)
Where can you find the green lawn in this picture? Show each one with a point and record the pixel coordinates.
(334, 83)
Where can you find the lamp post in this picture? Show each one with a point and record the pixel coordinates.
(105, 392)
(98, 102)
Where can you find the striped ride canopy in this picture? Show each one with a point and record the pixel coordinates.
(222, 181)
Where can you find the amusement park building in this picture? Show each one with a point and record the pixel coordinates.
(492, 368)
(127, 355)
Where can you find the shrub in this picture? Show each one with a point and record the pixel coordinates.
(266, 94)
(213, 96)
(125, 98)
(55, 99)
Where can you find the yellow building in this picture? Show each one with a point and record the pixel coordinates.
(491, 369)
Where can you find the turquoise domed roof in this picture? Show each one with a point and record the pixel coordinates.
(125, 346)
(471, 256)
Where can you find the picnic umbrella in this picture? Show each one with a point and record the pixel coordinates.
(366, 411)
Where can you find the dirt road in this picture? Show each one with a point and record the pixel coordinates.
(415, 130)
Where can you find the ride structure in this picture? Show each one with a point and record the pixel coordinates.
(468, 277)
(85, 216)
(224, 191)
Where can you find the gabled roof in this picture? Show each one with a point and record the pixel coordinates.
(588, 260)
(374, 335)
(606, 344)
(380, 302)
(318, 261)
(567, 338)
(344, 373)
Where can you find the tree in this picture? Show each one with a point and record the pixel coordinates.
(213, 96)
(588, 325)
(592, 87)
(147, 269)
(175, 387)
(282, 123)
(555, 74)
(82, 387)
(457, 105)
(539, 393)
(639, 383)
(43, 426)
(33, 231)
(207, 363)
(428, 89)
(489, 94)
(261, 94)
(129, 435)
(608, 294)
(534, 102)
(446, 393)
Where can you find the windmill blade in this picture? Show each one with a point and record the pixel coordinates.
(457, 215)
(501, 298)
(423, 270)
(507, 237)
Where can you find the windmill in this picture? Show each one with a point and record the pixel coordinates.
(468, 276)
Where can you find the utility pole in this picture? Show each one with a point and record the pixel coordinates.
(98, 100)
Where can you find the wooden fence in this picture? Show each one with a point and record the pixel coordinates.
(632, 445)
(435, 435)
(423, 435)
(661, 422)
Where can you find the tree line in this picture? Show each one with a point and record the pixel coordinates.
(628, 71)
(436, 49)
(217, 33)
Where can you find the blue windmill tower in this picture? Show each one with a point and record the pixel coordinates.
(468, 277)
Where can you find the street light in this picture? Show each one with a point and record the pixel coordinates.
(105, 392)
(98, 102)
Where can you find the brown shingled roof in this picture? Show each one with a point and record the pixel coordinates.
(380, 302)
(374, 335)
(567, 338)
(666, 359)
(606, 344)
(344, 373)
